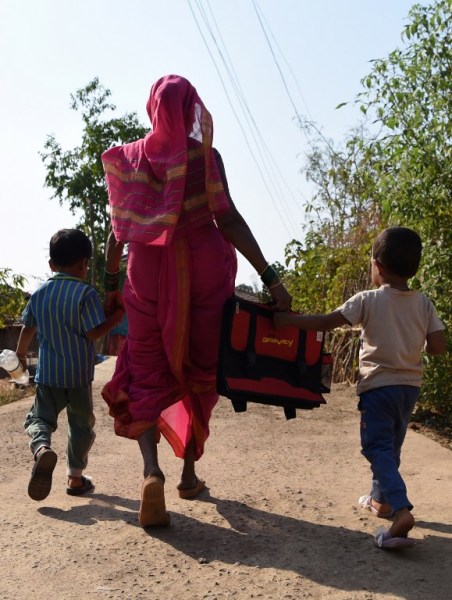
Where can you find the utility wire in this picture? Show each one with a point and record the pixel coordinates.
(253, 128)
(249, 117)
(260, 17)
(272, 167)
(239, 93)
(259, 12)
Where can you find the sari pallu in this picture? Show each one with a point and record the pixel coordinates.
(146, 179)
(166, 372)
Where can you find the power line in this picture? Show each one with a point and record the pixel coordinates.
(273, 168)
(252, 126)
(260, 18)
(268, 177)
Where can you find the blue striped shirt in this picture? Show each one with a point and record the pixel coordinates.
(63, 310)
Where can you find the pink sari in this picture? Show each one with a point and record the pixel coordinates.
(177, 283)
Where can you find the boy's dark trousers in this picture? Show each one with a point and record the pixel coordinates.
(42, 421)
(385, 414)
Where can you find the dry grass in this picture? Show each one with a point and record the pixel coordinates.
(10, 392)
(343, 343)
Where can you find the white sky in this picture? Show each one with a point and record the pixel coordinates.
(51, 48)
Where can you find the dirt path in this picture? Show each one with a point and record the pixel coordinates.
(279, 521)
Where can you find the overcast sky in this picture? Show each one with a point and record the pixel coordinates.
(51, 48)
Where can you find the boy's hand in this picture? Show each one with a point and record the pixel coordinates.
(113, 302)
(280, 319)
(23, 362)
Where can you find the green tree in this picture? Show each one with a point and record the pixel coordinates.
(396, 169)
(245, 289)
(332, 262)
(76, 176)
(12, 296)
(408, 95)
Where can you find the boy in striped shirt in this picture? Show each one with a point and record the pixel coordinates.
(67, 315)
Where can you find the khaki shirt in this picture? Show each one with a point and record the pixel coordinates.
(395, 325)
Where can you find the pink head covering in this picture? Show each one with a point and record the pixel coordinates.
(146, 178)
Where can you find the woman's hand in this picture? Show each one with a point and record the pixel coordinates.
(113, 301)
(281, 298)
(117, 315)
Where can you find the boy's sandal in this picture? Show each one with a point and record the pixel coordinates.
(41, 476)
(86, 486)
(366, 502)
(384, 540)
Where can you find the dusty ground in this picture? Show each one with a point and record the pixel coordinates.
(279, 521)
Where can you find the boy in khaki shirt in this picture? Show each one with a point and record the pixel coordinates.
(397, 325)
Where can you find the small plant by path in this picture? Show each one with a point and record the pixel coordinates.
(10, 392)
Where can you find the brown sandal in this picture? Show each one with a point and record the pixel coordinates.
(152, 508)
(187, 494)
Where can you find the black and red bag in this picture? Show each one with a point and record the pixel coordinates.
(258, 362)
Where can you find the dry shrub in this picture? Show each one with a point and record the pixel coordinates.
(343, 343)
(10, 392)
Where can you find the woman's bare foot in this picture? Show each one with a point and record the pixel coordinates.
(148, 446)
(155, 472)
(187, 483)
(402, 524)
(191, 492)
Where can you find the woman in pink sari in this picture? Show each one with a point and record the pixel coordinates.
(170, 202)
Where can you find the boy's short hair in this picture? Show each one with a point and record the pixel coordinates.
(399, 250)
(69, 246)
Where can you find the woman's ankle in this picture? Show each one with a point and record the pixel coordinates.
(154, 472)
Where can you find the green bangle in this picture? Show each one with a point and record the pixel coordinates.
(111, 281)
(269, 276)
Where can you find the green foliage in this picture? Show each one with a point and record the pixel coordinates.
(12, 297)
(76, 176)
(332, 263)
(409, 95)
(398, 173)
